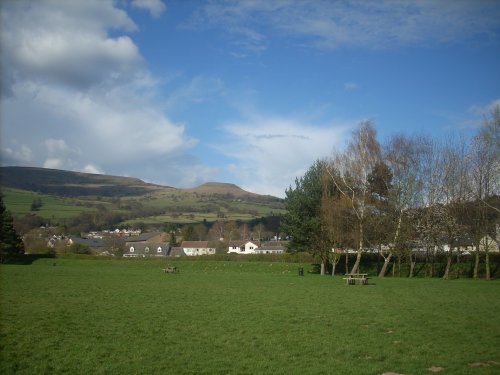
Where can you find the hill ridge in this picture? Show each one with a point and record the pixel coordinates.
(73, 183)
(221, 188)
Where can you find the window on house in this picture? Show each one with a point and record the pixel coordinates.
(159, 250)
(132, 249)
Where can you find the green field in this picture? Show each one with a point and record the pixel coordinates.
(19, 202)
(81, 316)
(179, 207)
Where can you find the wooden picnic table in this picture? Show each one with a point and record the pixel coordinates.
(352, 277)
(170, 269)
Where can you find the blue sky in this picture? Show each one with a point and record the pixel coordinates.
(248, 92)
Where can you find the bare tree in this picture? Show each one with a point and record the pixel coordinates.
(402, 155)
(427, 220)
(258, 231)
(218, 230)
(333, 220)
(484, 157)
(454, 188)
(115, 245)
(352, 180)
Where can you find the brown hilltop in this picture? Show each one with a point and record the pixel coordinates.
(221, 188)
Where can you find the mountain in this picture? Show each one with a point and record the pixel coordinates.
(72, 184)
(62, 196)
(77, 184)
(221, 189)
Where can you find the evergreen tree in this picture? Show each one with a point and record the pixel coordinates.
(302, 222)
(10, 242)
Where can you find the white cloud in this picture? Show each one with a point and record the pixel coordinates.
(155, 7)
(98, 126)
(272, 152)
(66, 42)
(90, 168)
(55, 146)
(53, 163)
(328, 24)
(16, 154)
(484, 110)
(198, 90)
(80, 97)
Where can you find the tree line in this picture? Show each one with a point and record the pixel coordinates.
(408, 193)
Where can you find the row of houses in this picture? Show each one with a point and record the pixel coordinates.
(252, 247)
(155, 244)
(195, 248)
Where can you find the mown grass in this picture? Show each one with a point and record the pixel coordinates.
(81, 316)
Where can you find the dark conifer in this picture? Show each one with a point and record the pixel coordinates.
(10, 242)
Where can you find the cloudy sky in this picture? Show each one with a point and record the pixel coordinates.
(249, 92)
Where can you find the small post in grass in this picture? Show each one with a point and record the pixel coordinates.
(301, 271)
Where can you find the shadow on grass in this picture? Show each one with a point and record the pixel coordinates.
(24, 259)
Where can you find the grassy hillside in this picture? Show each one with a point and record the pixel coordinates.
(53, 207)
(65, 195)
(222, 189)
(126, 316)
(72, 184)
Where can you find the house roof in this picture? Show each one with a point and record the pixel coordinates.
(143, 237)
(272, 248)
(194, 244)
(153, 247)
(177, 252)
(236, 243)
(90, 242)
(241, 243)
(274, 243)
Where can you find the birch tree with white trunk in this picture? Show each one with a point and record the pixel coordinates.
(350, 171)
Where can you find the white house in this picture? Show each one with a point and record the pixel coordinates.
(270, 250)
(489, 244)
(242, 247)
(193, 248)
(134, 250)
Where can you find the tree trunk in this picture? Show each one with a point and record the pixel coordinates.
(476, 263)
(322, 267)
(412, 264)
(355, 268)
(378, 259)
(446, 275)
(399, 265)
(387, 260)
(487, 264)
(433, 259)
(395, 239)
(458, 274)
(335, 260)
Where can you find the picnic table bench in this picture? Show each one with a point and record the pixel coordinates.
(170, 269)
(352, 277)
